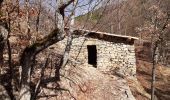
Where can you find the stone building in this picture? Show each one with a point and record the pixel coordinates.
(104, 51)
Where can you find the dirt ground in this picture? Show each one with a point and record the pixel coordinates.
(144, 70)
(162, 84)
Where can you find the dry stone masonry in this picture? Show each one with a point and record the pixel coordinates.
(104, 51)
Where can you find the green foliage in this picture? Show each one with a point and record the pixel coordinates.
(95, 16)
(92, 17)
(79, 18)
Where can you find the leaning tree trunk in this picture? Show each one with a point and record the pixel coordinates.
(28, 57)
(29, 54)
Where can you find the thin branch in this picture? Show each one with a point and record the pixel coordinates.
(62, 6)
(37, 88)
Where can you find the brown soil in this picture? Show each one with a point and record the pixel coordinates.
(144, 74)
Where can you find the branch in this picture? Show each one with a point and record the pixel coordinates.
(65, 4)
(55, 36)
(165, 24)
(28, 56)
(62, 7)
(37, 88)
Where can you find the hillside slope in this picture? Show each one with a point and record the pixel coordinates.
(144, 74)
(87, 83)
(110, 19)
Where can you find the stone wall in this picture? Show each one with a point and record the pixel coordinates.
(112, 56)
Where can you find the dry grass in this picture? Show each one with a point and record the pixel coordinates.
(144, 70)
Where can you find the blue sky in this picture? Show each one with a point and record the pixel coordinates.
(85, 6)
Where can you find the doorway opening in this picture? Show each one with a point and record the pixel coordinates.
(92, 55)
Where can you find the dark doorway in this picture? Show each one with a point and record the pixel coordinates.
(92, 55)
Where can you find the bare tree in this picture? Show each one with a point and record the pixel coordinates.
(27, 60)
(126, 15)
(29, 54)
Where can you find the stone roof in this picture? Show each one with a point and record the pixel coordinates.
(105, 36)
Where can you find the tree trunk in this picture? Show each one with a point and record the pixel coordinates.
(155, 60)
(3, 37)
(26, 62)
(28, 57)
(153, 80)
(1, 53)
(29, 54)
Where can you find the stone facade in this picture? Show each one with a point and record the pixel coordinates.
(114, 54)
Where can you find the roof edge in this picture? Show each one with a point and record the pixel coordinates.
(104, 33)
